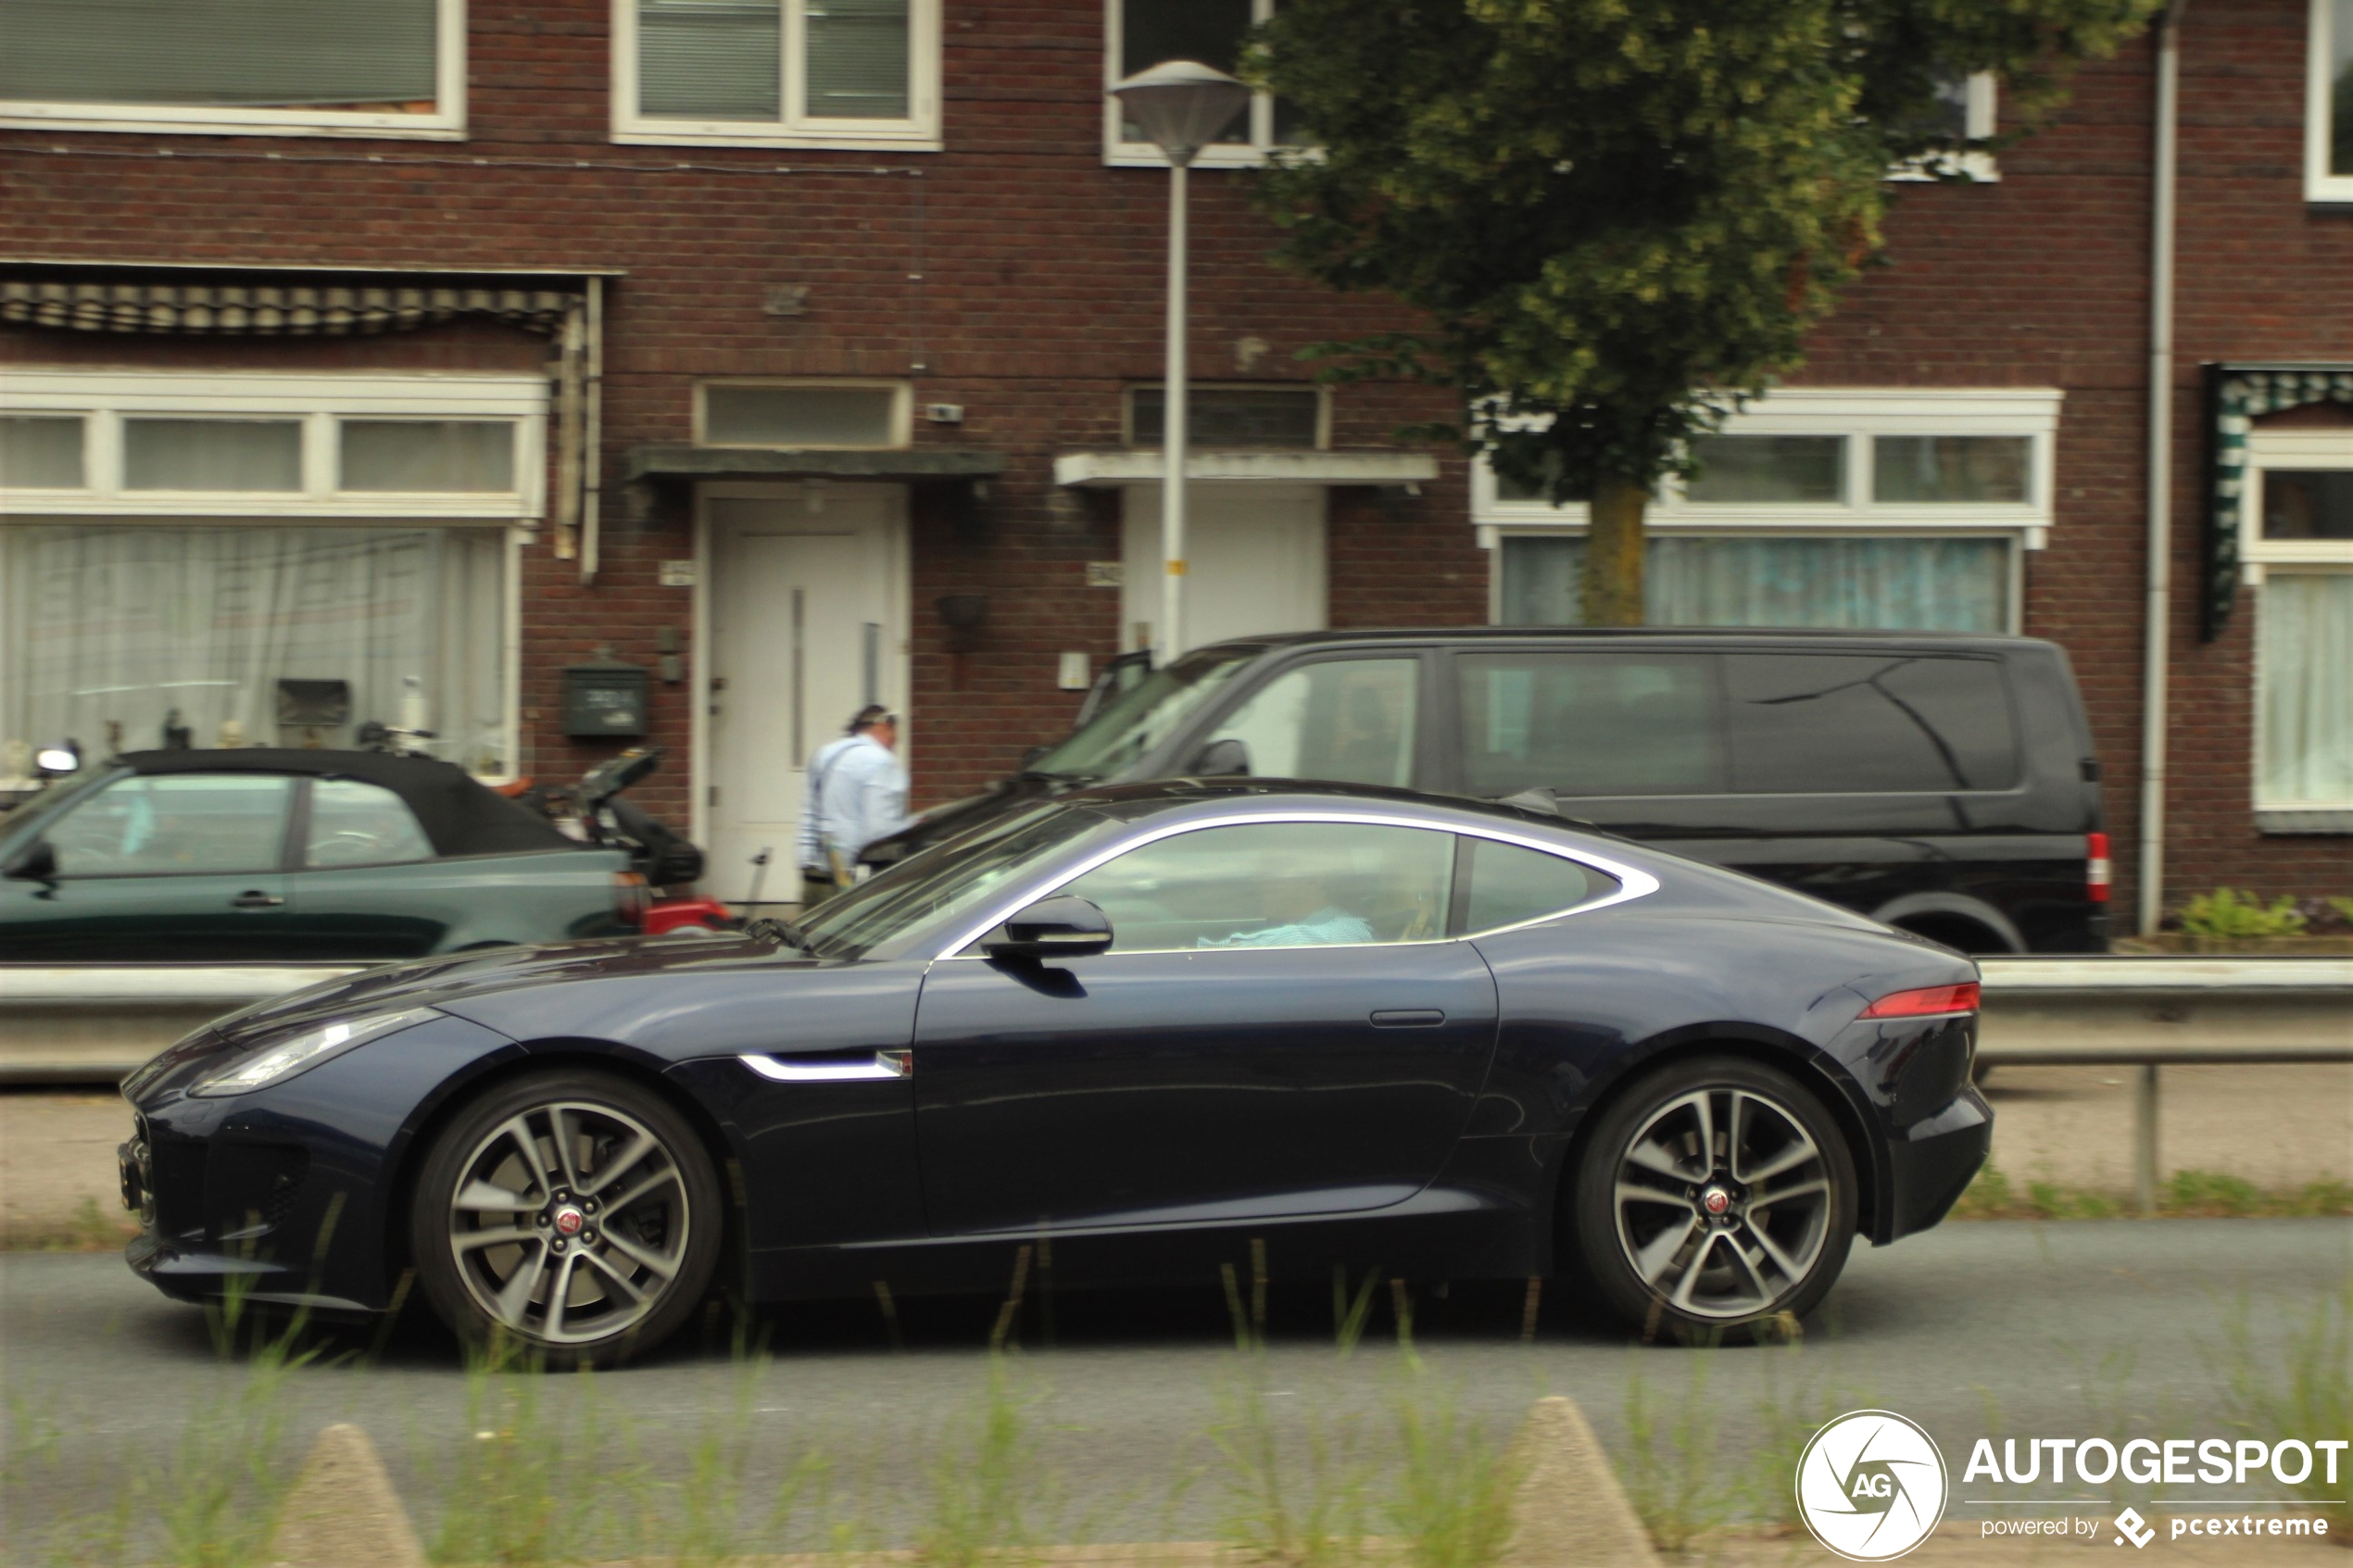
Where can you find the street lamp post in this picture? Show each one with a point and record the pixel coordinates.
(1181, 105)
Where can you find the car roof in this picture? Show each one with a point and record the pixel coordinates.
(1129, 802)
(460, 814)
(1766, 635)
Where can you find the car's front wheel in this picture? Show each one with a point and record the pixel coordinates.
(573, 1213)
(1715, 1192)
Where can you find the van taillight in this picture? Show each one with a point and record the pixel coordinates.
(631, 896)
(1933, 1002)
(2095, 867)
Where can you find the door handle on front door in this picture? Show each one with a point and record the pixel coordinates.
(1408, 1018)
(255, 898)
(832, 1067)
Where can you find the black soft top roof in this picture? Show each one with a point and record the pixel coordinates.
(460, 814)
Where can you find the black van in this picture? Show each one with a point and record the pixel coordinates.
(1943, 783)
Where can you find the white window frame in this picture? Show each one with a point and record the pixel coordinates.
(2319, 185)
(919, 132)
(1858, 415)
(319, 402)
(902, 412)
(446, 124)
(1119, 153)
(1983, 116)
(2259, 561)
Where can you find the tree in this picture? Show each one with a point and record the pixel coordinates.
(1619, 218)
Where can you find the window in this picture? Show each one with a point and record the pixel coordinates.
(1498, 885)
(1827, 724)
(834, 414)
(1966, 109)
(1276, 885)
(1231, 417)
(175, 826)
(354, 823)
(350, 67)
(1815, 507)
(843, 73)
(174, 545)
(1588, 724)
(1143, 34)
(1350, 720)
(2328, 108)
(2297, 544)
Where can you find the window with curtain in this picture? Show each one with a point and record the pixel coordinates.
(370, 59)
(105, 626)
(780, 67)
(2305, 697)
(2328, 163)
(1902, 584)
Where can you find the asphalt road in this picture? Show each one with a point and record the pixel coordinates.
(2120, 1328)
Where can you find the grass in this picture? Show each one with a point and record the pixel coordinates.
(2187, 1195)
(88, 1229)
(2305, 1392)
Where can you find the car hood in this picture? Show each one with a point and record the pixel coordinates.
(450, 983)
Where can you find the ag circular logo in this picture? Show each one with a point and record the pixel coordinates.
(1871, 1486)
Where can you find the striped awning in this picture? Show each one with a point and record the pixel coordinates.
(2237, 396)
(270, 310)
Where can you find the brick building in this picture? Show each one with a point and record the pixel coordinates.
(796, 352)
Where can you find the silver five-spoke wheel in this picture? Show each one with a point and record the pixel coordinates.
(568, 1214)
(1717, 1191)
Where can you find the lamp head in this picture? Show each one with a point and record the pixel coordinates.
(1181, 106)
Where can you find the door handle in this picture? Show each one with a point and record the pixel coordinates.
(255, 898)
(835, 1067)
(1408, 1018)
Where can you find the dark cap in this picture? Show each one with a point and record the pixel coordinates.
(869, 716)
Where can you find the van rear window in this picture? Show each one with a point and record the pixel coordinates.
(1867, 723)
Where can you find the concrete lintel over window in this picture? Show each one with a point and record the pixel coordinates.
(681, 461)
(1105, 469)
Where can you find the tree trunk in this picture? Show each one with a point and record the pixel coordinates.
(1614, 553)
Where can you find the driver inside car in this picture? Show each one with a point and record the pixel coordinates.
(1301, 913)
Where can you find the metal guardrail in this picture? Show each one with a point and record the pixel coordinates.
(89, 1024)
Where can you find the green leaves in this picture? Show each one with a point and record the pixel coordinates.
(1621, 216)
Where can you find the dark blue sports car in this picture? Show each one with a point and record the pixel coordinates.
(1152, 1023)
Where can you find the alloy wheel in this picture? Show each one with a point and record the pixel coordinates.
(570, 1222)
(1723, 1202)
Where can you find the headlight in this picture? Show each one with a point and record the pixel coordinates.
(301, 1052)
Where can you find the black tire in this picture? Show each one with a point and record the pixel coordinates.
(1677, 1265)
(629, 1223)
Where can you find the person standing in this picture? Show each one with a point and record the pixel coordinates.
(857, 794)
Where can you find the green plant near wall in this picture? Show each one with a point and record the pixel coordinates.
(2236, 913)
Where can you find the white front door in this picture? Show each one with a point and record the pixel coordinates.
(807, 606)
(1253, 562)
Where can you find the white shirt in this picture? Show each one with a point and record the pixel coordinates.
(857, 794)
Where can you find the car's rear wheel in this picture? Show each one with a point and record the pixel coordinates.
(573, 1214)
(1716, 1192)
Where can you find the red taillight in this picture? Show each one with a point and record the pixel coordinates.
(631, 896)
(2096, 873)
(1932, 1001)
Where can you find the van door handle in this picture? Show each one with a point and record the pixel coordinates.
(1408, 1018)
(831, 1067)
(255, 898)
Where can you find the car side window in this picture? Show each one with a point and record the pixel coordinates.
(1498, 885)
(1276, 885)
(1846, 723)
(1588, 724)
(1350, 720)
(175, 824)
(360, 824)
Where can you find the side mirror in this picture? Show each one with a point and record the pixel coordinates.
(1221, 759)
(35, 862)
(1065, 926)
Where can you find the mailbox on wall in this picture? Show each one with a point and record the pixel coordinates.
(605, 699)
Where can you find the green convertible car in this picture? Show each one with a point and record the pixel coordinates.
(270, 855)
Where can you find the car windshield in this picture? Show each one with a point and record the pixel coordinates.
(26, 823)
(943, 882)
(1143, 717)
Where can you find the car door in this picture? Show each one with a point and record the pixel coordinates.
(1279, 1028)
(1349, 719)
(177, 868)
(365, 884)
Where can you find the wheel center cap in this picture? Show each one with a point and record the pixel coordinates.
(1716, 1200)
(570, 1221)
